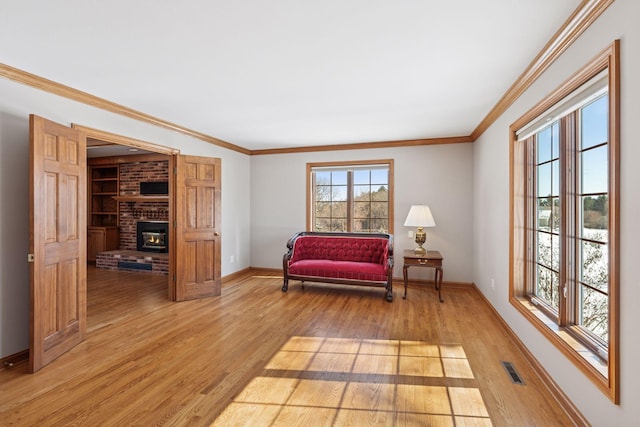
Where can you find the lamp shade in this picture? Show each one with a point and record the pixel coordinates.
(420, 216)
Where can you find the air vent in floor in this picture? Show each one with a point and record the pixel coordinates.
(513, 374)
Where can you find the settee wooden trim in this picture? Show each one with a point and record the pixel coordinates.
(387, 284)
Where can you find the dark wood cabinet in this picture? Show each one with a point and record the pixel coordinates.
(100, 239)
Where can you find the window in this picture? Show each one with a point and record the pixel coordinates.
(582, 152)
(352, 197)
(564, 225)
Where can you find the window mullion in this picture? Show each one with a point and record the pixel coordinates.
(350, 200)
(569, 220)
(530, 219)
(314, 198)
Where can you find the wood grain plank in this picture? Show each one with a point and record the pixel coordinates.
(321, 355)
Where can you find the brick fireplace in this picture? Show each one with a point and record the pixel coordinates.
(131, 213)
(131, 174)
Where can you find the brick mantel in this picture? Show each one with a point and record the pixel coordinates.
(131, 174)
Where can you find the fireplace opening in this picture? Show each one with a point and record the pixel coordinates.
(152, 236)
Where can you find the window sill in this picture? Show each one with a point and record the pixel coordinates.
(582, 356)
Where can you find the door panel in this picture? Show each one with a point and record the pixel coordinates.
(57, 240)
(198, 211)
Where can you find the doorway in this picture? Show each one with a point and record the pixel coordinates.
(119, 171)
(194, 214)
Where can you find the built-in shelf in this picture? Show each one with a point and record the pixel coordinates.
(103, 185)
(160, 198)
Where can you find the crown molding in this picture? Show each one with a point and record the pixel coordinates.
(68, 92)
(365, 145)
(574, 26)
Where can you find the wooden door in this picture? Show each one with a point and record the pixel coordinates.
(57, 240)
(197, 227)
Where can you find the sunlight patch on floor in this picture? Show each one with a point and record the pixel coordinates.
(343, 381)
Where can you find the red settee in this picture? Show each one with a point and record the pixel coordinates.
(345, 258)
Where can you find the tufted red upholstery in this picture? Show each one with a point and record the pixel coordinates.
(346, 258)
(359, 249)
(349, 258)
(348, 270)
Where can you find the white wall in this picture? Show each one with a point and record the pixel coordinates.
(16, 103)
(491, 220)
(466, 185)
(437, 175)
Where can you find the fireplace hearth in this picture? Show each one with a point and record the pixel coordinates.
(152, 236)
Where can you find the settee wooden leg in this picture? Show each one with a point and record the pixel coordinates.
(389, 295)
(285, 286)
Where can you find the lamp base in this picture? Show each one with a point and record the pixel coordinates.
(421, 237)
(420, 250)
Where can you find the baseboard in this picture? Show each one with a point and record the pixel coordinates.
(565, 403)
(398, 281)
(267, 271)
(252, 271)
(14, 359)
(234, 276)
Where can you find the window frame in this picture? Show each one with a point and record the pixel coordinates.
(360, 164)
(575, 344)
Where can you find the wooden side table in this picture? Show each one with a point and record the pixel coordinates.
(431, 259)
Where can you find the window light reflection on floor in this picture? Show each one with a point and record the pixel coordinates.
(342, 381)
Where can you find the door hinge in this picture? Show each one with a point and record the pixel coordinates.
(31, 258)
(174, 278)
(175, 171)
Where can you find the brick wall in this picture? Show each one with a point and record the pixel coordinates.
(131, 174)
(113, 260)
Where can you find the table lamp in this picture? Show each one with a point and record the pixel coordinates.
(420, 216)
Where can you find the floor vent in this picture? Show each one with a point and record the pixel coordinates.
(513, 374)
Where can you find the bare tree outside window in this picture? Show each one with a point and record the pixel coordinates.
(586, 240)
(351, 198)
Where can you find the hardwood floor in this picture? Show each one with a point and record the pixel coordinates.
(325, 355)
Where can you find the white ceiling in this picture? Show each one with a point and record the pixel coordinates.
(286, 73)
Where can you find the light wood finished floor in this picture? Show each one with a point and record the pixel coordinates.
(325, 355)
